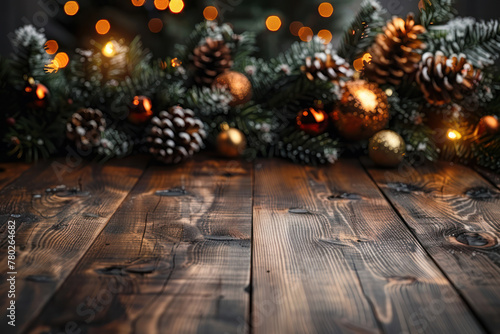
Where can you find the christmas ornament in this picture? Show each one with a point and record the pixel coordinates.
(326, 67)
(231, 142)
(442, 79)
(487, 125)
(395, 52)
(141, 110)
(85, 128)
(362, 111)
(36, 94)
(175, 135)
(313, 121)
(11, 121)
(238, 86)
(387, 148)
(209, 60)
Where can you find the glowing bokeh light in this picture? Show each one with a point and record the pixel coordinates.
(61, 60)
(273, 23)
(102, 27)
(295, 27)
(71, 8)
(138, 3)
(175, 62)
(109, 50)
(325, 9)
(454, 134)
(306, 34)
(161, 4)
(325, 35)
(155, 25)
(51, 47)
(176, 6)
(210, 13)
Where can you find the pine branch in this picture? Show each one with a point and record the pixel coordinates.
(437, 12)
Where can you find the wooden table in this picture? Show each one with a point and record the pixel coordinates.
(218, 246)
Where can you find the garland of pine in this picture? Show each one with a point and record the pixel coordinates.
(280, 88)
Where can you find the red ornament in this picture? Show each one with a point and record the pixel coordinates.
(313, 121)
(487, 125)
(141, 111)
(11, 121)
(37, 95)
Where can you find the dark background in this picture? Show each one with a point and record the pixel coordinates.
(128, 21)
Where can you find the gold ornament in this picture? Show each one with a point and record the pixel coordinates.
(362, 111)
(238, 86)
(231, 142)
(387, 148)
(487, 125)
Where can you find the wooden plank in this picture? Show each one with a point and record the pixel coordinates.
(58, 211)
(11, 171)
(490, 175)
(331, 256)
(178, 263)
(455, 214)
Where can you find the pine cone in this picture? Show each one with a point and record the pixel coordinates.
(209, 60)
(175, 135)
(85, 128)
(395, 52)
(442, 79)
(326, 67)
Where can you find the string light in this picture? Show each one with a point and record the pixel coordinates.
(102, 27)
(175, 62)
(138, 3)
(176, 6)
(325, 35)
(71, 8)
(295, 27)
(210, 13)
(306, 34)
(325, 9)
(161, 4)
(51, 47)
(273, 23)
(155, 25)
(61, 60)
(109, 50)
(454, 134)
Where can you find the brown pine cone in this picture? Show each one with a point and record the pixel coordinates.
(326, 67)
(85, 128)
(443, 79)
(395, 52)
(175, 135)
(209, 60)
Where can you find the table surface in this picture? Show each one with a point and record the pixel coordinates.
(219, 246)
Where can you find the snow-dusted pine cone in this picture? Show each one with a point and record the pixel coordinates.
(175, 135)
(85, 128)
(326, 67)
(395, 52)
(210, 59)
(443, 79)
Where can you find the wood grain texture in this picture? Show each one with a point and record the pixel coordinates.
(11, 171)
(178, 263)
(490, 175)
(455, 214)
(342, 261)
(59, 210)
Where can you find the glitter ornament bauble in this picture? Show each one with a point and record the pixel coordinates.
(362, 111)
(488, 125)
(141, 110)
(36, 94)
(313, 121)
(387, 148)
(237, 85)
(231, 142)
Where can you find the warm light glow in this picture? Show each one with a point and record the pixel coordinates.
(325, 35)
(367, 98)
(306, 34)
(102, 27)
(138, 3)
(175, 62)
(61, 60)
(210, 13)
(155, 25)
(40, 92)
(176, 6)
(325, 9)
(109, 50)
(71, 8)
(51, 47)
(318, 116)
(161, 4)
(367, 57)
(273, 23)
(359, 63)
(454, 134)
(295, 27)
